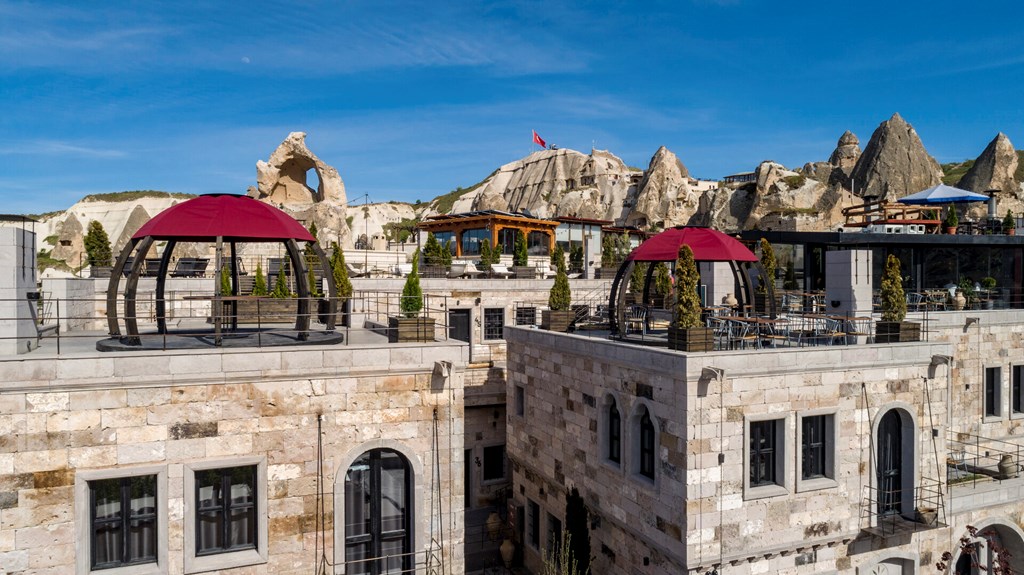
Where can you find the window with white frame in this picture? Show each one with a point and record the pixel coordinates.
(121, 521)
(993, 389)
(494, 323)
(225, 513)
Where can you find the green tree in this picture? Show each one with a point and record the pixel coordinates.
(340, 272)
(637, 278)
(259, 284)
(687, 312)
(225, 280)
(952, 219)
(446, 254)
(790, 280)
(577, 526)
(766, 284)
(560, 297)
(557, 257)
(662, 279)
(576, 260)
(281, 290)
(521, 256)
(1009, 223)
(97, 245)
(412, 295)
(314, 291)
(893, 300)
(485, 255)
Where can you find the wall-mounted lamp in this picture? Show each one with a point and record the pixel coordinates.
(477, 301)
(476, 460)
(942, 360)
(972, 320)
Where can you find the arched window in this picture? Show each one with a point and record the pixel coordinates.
(646, 444)
(614, 433)
(378, 508)
(890, 463)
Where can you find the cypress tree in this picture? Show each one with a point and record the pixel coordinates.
(412, 295)
(259, 284)
(97, 245)
(687, 312)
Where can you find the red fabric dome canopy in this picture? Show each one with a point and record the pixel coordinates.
(228, 216)
(708, 245)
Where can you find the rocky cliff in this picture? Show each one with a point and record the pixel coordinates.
(894, 164)
(994, 169)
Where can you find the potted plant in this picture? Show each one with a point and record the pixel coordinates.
(662, 285)
(892, 328)
(411, 326)
(687, 332)
(560, 316)
(521, 258)
(989, 285)
(342, 283)
(764, 293)
(1009, 224)
(952, 220)
(435, 261)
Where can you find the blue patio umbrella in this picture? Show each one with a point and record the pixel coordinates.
(942, 194)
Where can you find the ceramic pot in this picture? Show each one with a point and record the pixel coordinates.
(508, 551)
(730, 300)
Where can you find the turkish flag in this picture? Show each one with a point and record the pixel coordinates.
(538, 140)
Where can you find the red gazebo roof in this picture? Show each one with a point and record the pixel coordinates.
(708, 245)
(229, 216)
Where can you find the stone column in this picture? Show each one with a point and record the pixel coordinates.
(17, 278)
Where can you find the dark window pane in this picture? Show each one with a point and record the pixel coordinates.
(1017, 402)
(494, 462)
(646, 445)
(243, 527)
(377, 514)
(471, 241)
(762, 453)
(993, 379)
(494, 321)
(225, 509)
(123, 521)
(614, 434)
(813, 447)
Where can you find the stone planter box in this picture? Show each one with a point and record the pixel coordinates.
(409, 329)
(691, 339)
(560, 320)
(897, 331)
(525, 272)
(270, 310)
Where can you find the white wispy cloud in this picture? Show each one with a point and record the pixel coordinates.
(58, 148)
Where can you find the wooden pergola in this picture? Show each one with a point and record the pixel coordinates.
(493, 221)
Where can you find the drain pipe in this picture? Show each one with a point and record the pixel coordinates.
(946, 360)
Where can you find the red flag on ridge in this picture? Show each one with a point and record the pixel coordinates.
(538, 140)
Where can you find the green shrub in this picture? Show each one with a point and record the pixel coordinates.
(259, 283)
(893, 300)
(952, 220)
(766, 283)
(988, 282)
(225, 280)
(687, 312)
(662, 279)
(557, 256)
(281, 290)
(560, 297)
(521, 256)
(789, 282)
(576, 260)
(1009, 223)
(340, 272)
(412, 294)
(637, 277)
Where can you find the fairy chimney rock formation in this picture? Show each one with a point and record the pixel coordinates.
(664, 195)
(847, 152)
(894, 164)
(282, 179)
(994, 168)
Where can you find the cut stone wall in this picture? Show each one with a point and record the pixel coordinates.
(62, 417)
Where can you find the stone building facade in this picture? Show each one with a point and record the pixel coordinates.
(788, 460)
(313, 430)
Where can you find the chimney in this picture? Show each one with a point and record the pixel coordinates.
(992, 213)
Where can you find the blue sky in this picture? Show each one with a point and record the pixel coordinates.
(410, 99)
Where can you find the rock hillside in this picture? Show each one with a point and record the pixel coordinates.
(894, 164)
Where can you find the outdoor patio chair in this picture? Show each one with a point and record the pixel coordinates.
(501, 270)
(743, 334)
(356, 272)
(636, 319)
(915, 301)
(457, 270)
(403, 270)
